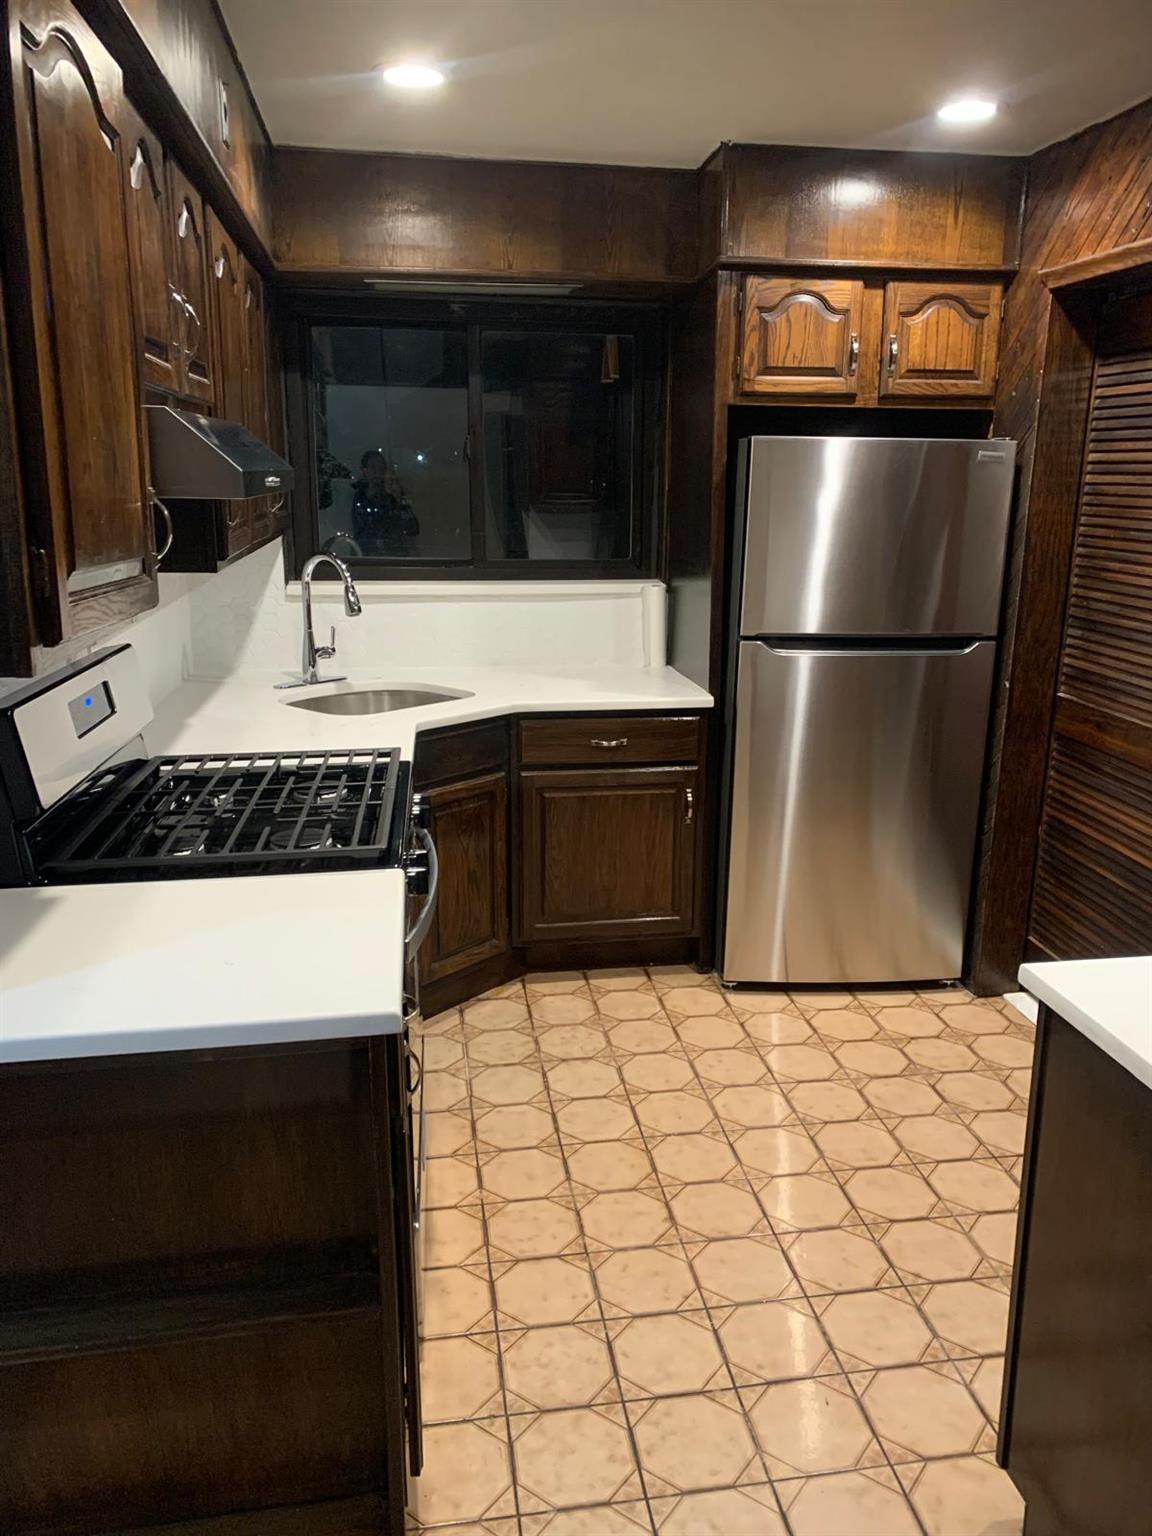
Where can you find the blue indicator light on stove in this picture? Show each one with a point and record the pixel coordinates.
(88, 702)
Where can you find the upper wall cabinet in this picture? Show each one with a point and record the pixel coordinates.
(74, 346)
(941, 339)
(190, 273)
(801, 336)
(159, 311)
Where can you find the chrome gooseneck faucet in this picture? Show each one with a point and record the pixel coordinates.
(312, 652)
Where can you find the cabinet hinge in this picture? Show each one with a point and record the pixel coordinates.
(41, 572)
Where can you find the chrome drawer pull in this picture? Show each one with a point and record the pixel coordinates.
(609, 742)
(689, 807)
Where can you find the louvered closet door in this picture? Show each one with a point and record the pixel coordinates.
(1093, 889)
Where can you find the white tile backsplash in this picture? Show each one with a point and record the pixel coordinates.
(246, 621)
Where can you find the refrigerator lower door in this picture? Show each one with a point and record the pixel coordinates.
(854, 804)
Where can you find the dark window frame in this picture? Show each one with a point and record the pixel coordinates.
(645, 323)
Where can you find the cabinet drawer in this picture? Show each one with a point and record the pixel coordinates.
(457, 753)
(604, 741)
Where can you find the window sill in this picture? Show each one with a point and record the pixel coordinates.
(472, 591)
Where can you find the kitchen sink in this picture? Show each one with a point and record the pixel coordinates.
(373, 701)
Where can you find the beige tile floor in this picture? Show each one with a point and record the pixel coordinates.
(712, 1263)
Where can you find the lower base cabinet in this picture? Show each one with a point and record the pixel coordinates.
(580, 846)
(607, 853)
(469, 825)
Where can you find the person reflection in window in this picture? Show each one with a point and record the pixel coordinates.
(383, 521)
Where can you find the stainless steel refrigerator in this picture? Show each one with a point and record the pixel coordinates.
(867, 576)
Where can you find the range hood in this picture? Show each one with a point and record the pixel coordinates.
(202, 458)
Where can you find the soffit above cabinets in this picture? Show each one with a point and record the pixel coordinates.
(661, 82)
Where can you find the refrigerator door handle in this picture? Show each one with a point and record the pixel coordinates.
(803, 648)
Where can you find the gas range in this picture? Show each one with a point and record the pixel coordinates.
(81, 801)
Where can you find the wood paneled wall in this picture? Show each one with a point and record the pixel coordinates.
(344, 214)
(1088, 195)
(868, 207)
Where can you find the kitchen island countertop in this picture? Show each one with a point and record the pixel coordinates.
(179, 965)
(1109, 1001)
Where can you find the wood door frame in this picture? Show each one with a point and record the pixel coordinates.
(1029, 673)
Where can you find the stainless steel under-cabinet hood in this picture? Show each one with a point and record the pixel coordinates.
(205, 459)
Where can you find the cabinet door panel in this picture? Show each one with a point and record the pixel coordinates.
(85, 463)
(607, 854)
(801, 336)
(191, 271)
(470, 830)
(225, 278)
(159, 312)
(941, 340)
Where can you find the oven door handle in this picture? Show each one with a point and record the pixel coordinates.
(419, 929)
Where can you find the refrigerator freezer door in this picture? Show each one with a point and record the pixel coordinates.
(855, 798)
(874, 536)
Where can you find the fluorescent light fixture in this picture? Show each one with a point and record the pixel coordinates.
(967, 109)
(413, 77)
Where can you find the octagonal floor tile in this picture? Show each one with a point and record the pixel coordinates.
(967, 1496)
(848, 1504)
(717, 1210)
(968, 1315)
(637, 1037)
(460, 1379)
(974, 1090)
(625, 1219)
(467, 1473)
(563, 1367)
(695, 1442)
(621, 1006)
(535, 1292)
(657, 1072)
(507, 1085)
(934, 1138)
(1001, 1130)
(582, 1079)
(839, 1260)
(514, 1125)
(923, 1410)
(941, 1055)
(562, 1008)
(610, 1165)
(740, 1269)
(674, 1113)
(843, 1024)
(801, 1063)
(975, 1186)
(754, 1106)
(976, 1019)
(500, 1048)
(457, 1301)
(776, 1150)
(857, 1144)
(814, 1425)
(896, 1193)
(902, 1096)
(693, 1159)
(721, 1512)
(803, 1201)
(775, 1341)
(596, 1120)
(827, 1101)
(533, 1229)
(929, 1250)
(637, 1281)
(525, 1174)
(911, 1023)
(694, 1002)
(676, 1352)
(876, 1328)
(573, 1457)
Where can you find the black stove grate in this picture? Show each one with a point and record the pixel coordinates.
(242, 813)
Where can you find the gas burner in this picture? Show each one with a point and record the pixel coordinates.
(307, 840)
(180, 841)
(324, 794)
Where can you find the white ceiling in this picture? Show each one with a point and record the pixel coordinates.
(662, 82)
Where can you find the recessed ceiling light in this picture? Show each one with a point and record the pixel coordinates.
(967, 109)
(414, 77)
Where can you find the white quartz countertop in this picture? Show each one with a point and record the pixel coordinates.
(240, 715)
(1110, 1001)
(177, 965)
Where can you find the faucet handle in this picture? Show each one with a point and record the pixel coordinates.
(326, 652)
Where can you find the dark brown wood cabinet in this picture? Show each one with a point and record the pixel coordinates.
(160, 315)
(801, 336)
(469, 825)
(607, 853)
(941, 339)
(190, 275)
(77, 389)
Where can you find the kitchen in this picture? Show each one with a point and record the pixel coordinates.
(689, 562)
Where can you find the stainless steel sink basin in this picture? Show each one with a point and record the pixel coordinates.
(373, 701)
